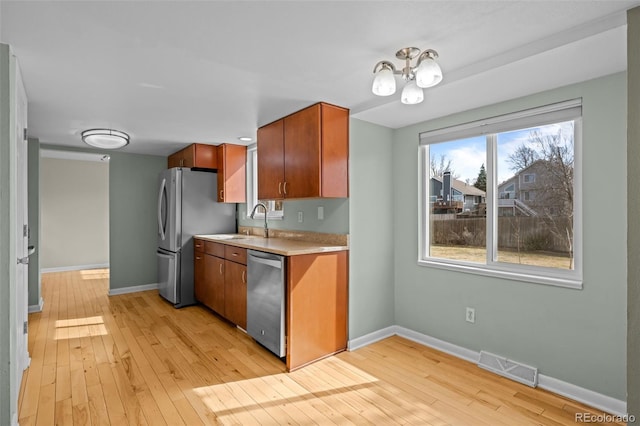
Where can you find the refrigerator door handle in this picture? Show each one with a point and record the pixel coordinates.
(163, 186)
(164, 255)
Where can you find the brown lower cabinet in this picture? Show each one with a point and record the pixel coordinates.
(316, 297)
(215, 279)
(219, 283)
(235, 293)
(316, 307)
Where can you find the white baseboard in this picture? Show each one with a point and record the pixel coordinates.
(36, 308)
(370, 338)
(441, 345)
(593, 399)
(133, 289)
(586, 396)
(75, 268)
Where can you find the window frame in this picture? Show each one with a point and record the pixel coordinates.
(252, 188)
(549, 114)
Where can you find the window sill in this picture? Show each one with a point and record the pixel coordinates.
(524, 276)
(261, 217)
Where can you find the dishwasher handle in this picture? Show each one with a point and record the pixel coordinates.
(271, 260)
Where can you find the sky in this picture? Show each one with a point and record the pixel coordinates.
(468, 155)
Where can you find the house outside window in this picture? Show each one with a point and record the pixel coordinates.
(529, 225)
(508, 192)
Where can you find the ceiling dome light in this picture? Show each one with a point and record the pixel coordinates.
(426, 73)
(105, 138)
(412, 94)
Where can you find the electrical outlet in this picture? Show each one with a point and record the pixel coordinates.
(300, 217)
(470, 315)
(320, 213)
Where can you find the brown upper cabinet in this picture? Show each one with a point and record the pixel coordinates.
(232, 179)
(305, 154)
(195, 155)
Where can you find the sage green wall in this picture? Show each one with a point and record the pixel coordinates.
(7, 248)
(633, 207)
(371, 287)
(132, 212)
(336, 216)
(34, 220)
(578, 336)
(133, 239)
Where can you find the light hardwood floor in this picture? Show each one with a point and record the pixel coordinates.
(134, 359)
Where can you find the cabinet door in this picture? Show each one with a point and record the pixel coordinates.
(271, 161)
(189, 156)
(232, 179)
(316, 306)
(200, 277)
(335, 151)
(175, 160)
(235, 306)
(215, 279)
(205, 156)
(302, 153)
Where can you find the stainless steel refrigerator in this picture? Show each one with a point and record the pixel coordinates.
(187, 206)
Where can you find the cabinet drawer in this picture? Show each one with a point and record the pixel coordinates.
(235, 254)
(215, 249)
(198, 245)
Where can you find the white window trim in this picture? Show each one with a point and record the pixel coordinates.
(564, 111)
(252, 187)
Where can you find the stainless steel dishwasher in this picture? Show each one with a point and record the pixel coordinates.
(265, 300)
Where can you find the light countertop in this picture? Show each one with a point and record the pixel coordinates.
(282, 246)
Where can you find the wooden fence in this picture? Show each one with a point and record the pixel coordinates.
(529, 233)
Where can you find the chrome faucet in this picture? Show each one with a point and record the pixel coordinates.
(253, 213)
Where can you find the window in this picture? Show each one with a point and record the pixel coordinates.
(508, 191)
(275, 208)
(529, 233)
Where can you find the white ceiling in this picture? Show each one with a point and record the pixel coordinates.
(170, 73)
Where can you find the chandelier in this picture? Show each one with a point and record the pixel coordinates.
(426, 73)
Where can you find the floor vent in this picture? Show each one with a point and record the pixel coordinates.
(510, 369)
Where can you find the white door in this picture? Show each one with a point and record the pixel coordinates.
(22, 229)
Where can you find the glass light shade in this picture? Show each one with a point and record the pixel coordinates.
(105, 138)
(428, 73)
(412, 94)
(384, 83)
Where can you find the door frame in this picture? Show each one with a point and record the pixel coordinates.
(21, 297)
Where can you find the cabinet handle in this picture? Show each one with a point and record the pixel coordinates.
(222, 194)
(285, 188)
(243, 277)
(234, 254)
(279, 188)
(221, 269)
(198, 258)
